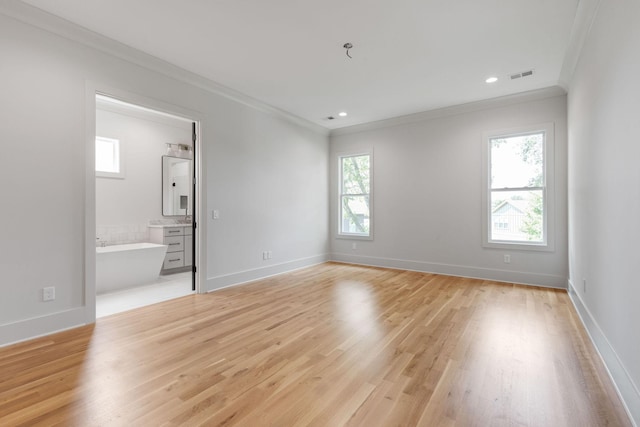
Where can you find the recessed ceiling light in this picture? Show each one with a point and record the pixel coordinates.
(491, 80)
(342, 114)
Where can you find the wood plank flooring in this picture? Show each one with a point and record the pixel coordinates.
(330, 345)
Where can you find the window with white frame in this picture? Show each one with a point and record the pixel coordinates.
(355, 196)
(518, 204)
(109, 158)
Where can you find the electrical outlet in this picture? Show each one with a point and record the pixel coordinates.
(269, 254)
(264, 255)
(215, 214)
(507, 259)
(48, 293)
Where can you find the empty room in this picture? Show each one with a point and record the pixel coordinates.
(249, 213)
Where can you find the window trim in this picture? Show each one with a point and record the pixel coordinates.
(339, 233)
(106, 174)
(548, 190)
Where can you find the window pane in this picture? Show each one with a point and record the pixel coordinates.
(517, 216)
(517, 161)
(107, 155)
(355, 175)
(355, 215)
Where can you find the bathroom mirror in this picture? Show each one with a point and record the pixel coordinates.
(176, 188)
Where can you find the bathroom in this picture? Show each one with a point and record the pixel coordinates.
(144, 161)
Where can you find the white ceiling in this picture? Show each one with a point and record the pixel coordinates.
(408, 56)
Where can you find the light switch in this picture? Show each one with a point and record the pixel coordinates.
(215, 214)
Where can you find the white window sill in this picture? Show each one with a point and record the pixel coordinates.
(520, 246)
(353, 237)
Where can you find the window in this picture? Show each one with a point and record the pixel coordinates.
(518, 202)
(108, 158)
(355, 196)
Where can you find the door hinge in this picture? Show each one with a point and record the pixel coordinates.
(195, 270)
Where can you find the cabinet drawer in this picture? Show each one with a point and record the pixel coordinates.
(173, 231)
(188, 230)
(175, 243)
(173, 260)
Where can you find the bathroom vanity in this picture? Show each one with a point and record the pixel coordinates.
(178, 239)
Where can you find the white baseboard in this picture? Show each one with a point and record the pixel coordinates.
(627, 389)
(233, 279)
(520, 277)
(23, 330)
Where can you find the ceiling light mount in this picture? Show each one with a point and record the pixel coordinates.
(347, 46)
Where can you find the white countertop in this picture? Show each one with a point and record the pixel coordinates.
(168, 225)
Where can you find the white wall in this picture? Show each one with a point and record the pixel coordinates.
(427, 193)
(266, 172)
(125, 206)
(275, 200)
(604, 190)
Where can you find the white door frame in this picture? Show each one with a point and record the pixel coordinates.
(93, 89)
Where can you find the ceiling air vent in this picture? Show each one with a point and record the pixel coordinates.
(521, 75)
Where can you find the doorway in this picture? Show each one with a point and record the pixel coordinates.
(145, 205)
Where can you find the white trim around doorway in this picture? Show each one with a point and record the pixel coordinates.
(93, 89)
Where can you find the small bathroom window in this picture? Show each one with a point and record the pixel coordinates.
(109, 158)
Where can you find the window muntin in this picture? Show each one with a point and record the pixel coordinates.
(109, 158)
(517, 201)
(355, 195)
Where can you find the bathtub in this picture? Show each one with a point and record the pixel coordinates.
(126, 266)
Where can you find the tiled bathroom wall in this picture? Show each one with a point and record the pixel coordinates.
(121, 234)
(108, 235)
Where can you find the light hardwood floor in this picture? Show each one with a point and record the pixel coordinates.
(329, 345)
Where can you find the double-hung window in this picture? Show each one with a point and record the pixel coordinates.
(355, 196)
(518, 200)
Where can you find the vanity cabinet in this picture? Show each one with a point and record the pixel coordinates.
(178, 239)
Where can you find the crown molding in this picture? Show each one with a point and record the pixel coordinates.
(502, 101)
(33, 16)
(138, 112)
(586, 12)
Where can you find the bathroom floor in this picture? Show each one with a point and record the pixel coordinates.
(167, 287)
